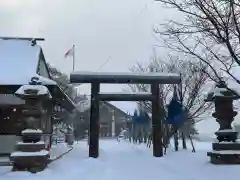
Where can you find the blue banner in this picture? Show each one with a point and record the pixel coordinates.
(141, 118)
(176, 113)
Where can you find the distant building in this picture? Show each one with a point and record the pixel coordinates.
(112, 119)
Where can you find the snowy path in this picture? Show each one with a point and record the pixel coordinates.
(124, 161)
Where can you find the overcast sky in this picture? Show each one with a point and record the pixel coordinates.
(100, 29)
(120, 31)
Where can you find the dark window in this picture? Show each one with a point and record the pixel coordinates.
(10, 122)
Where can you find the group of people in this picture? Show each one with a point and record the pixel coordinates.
(137, 137)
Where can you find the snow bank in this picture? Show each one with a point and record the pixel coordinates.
(125, 161)
(58, 149)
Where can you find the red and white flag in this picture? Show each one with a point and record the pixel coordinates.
(70, 52)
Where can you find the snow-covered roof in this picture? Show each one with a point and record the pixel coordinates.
(19, 62)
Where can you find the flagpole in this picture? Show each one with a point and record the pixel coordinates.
(73, 67)
(73, 58)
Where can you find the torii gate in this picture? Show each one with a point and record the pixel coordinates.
(96, 78)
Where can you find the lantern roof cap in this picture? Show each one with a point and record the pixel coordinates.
(222, 90)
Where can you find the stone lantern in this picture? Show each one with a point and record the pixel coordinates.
(226, 150)
(30, 154)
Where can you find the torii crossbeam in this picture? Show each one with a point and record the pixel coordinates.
(97, 78)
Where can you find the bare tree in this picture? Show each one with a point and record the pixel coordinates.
(62, 81)
(191, 90)
(73, 118)
(209, 32)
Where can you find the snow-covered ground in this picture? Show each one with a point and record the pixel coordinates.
(124, 161)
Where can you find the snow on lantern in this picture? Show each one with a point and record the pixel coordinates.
(226, 150)
(30, 154)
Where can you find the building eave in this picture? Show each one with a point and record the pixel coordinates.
(63, 99)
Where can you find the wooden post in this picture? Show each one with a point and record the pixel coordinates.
(184, 144)
(176, 141)
(113, 123)
(51, 123)
(94, 121)
(156, 122)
